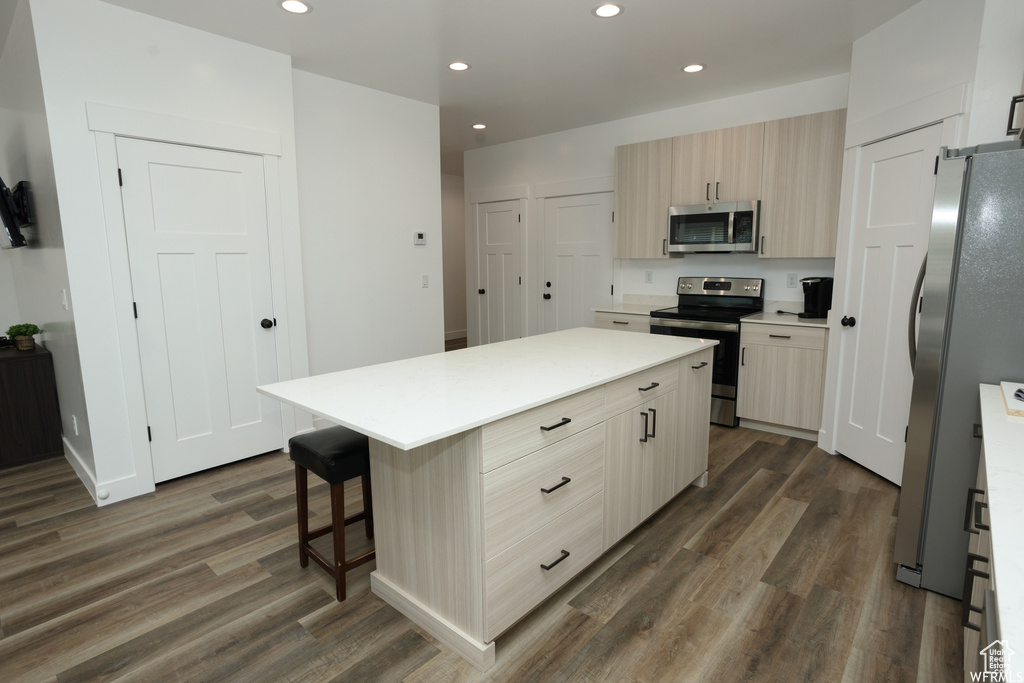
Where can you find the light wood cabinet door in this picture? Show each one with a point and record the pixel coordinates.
(781, 383)
(738, 156)
(803, 168)
(693, 168)
(640, 463)
(643, 175)
(694, 417)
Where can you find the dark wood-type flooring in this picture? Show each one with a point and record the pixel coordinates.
(779, 570)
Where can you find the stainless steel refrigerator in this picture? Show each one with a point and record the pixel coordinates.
(971, 331)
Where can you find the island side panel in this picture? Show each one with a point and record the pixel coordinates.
(427, 523)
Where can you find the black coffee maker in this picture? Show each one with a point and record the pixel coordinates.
(817, 297)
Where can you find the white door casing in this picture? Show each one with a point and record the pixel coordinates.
(499, 269)
(577, 259)
(198, 250)
(891, 218)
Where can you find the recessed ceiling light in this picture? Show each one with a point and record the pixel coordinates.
(693, 68)
(296, 7)
(479, 126)
(458, 66)
(607, 11)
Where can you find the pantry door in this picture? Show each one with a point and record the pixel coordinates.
(198, 248)
(500, 277)
(577, 259)
(892, 210)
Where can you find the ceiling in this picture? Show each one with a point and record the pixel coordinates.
(541, 66)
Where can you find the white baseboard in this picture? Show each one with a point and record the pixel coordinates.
(107, 492)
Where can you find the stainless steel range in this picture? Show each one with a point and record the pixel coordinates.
(711, 308)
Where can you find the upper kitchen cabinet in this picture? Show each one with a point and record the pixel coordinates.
(803, 167)
(642, 193)
(717, 166)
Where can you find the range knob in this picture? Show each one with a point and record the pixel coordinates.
(746, 287)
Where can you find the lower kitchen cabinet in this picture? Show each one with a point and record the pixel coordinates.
(781, 375)
(979, 582)
(625, 322)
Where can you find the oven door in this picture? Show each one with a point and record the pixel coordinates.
(726, 364)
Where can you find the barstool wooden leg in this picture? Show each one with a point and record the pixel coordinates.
(367, 505)
(302, 504)
(338, 526)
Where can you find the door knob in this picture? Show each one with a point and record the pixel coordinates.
(546, 295)
(266, 323)
(848, 321)
(480, 291)
(547, 284)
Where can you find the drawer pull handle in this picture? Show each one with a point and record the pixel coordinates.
(978, 507)
(698, 367)
(969, 520)
(780, 336)
(620, 322)
(968, 602)
(546, 567)
(565, 480)
(653, 386)
(564, 421)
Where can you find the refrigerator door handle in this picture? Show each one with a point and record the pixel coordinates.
(912, 325)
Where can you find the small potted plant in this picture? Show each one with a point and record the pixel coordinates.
(22, 335)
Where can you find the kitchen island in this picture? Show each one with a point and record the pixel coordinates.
(501, 471)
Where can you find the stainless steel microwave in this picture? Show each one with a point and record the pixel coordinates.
(732, 226)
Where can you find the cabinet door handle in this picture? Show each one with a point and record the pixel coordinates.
(743, 356)
(978, 507)
(698, 367)
(654, 423)
(707, 193)
(762, 245)
(653, 386)
(664, 247)
(968, 603)
(565, 480)
(564, 422)
(546, 567)
(647, 425)
(716, 191)
(968, 525)
(780, 336)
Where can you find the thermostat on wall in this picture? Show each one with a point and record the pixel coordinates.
(419, 238)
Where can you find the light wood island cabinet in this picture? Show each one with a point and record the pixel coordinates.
(490, 468)
(643, 174)
(624, 322)
(781, 374)
(802, 175)
(717, 166)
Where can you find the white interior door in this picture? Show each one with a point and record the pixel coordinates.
(198, 247)
(577, 259)
(892, 207)
(499, 240)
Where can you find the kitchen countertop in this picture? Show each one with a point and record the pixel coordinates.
(412, 402)
(629, 309)
(769, 315)
(1004, 465)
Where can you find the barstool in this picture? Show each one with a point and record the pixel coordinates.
(335, 454)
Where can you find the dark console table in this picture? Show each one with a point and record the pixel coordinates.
(30, 426)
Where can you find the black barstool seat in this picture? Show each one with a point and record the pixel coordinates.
(335, 454)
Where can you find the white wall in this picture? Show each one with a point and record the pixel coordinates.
(999, 72)
(39, 271)
(588, 153)
(369, 176)
(453, 224)
(93, 52)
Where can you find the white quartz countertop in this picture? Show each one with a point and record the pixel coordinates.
(412, 402)
(775, 318)
(1004, 465)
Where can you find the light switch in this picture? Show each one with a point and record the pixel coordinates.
(426, 281)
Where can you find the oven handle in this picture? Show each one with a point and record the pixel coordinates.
(696, 325)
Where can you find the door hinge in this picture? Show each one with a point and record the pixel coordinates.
(120, 180)
(613, 216)
(906, 433)
(135, 309)
(936, 172)
(520, 218)
(149, 432)
(520, 279)
(613, 290)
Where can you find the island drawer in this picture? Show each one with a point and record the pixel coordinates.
(792, 336)
(634, 390)
(516, 435)
(524, 495)
(515, 581)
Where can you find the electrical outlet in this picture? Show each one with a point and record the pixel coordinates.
(64, 298)
(791, 280)
(74, 425)
(426, 282)
(649, 276)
